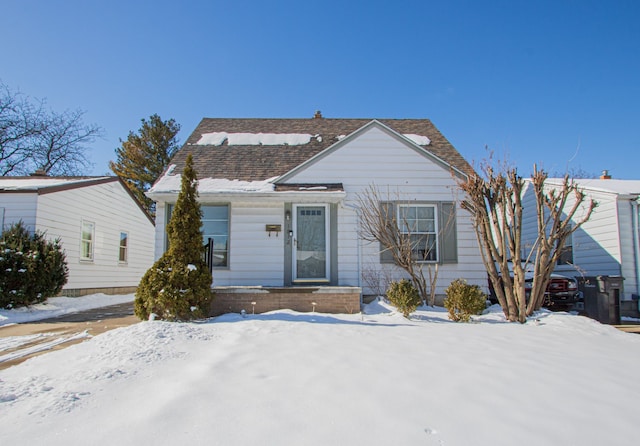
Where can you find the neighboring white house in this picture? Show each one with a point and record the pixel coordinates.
(608, 243)
(107, 237)
(280, 200)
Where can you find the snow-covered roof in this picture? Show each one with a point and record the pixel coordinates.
(279, 139)
(619, 187)
(421, 140)
(37, 183)
(258, 149)
(253, 139)
(171, 183)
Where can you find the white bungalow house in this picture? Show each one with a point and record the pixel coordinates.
(608, 244)
(107, 237)
(280, 199)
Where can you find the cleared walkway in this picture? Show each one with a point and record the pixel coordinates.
(23, 341)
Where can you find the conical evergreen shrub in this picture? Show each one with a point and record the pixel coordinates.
(178, 286)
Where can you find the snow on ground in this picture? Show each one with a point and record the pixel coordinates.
(58, 306)
(287, 378)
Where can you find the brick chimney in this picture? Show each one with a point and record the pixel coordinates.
(39, 173)
(605, 175)
(318, 115)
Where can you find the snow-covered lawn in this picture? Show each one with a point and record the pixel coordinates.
(287, 378)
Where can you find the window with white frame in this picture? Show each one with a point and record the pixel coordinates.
(123, 251)
(419, 222)
(215, 225)
(87, 240)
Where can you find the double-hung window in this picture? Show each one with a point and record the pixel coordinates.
(87, 240)
(123, 251)
(215, 225)
(419, 222)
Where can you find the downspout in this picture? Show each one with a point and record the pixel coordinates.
(357, 210)
(636, 243)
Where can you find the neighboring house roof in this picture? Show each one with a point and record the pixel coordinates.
(261, 150)
(618, 187)
(46, 185)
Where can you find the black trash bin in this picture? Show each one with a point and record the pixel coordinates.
(602, 297)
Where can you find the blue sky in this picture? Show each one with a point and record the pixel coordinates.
(550, 82)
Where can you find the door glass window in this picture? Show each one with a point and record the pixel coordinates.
(311, 242)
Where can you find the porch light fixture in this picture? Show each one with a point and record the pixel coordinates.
(287, 215)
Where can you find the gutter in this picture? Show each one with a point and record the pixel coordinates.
(273, 197)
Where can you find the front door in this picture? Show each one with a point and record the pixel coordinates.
(311, 243)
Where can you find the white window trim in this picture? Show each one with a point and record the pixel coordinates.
(92, 241)
(126, 248)
(399, 206)
(204, 238)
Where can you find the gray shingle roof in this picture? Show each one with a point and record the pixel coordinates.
(261, 162)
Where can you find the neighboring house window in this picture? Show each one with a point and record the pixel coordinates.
(432, 229)
(215, 225)
(418, 222)
(87, 240)
(566, 256)
(124, 241)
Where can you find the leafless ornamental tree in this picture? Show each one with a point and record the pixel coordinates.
(33, 138)
(409, 249)
(494, 201)
(60, 148)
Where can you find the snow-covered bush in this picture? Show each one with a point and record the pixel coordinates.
(464, 300)
(178, 286)
(32, 268)
(404, 296)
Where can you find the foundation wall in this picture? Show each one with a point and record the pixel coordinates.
(303, 299)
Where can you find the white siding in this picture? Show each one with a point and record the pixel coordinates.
(161, 229)
(349, 248)
(19, 206)
(529, 220)
(603, 245)
(112, 210)
(373, 157)
(377, 157)
(627, 248)
(255, 258)
(399, 173)
(596, 244)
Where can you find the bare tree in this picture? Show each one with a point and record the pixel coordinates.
(20, 121)
(409, 250)
(60, 147)
(33, 138)
(494, 201)
(377, 278)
